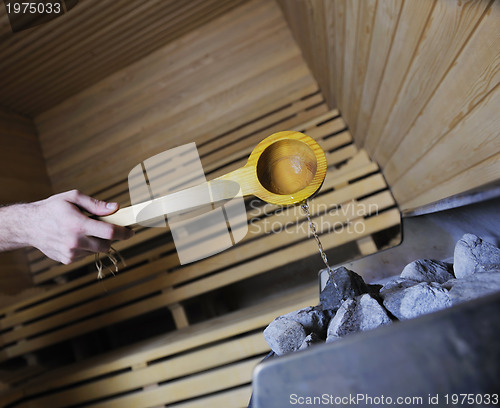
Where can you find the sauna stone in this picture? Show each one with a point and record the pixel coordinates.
(314, 319)
(416, 300)
(424, 286)
(396, 285)
(311, 340)
(349, 284)
(428, 270)
(358, 314)
(284, 335)
(473, 286)
(473, 255)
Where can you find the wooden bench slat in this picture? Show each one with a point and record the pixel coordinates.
(267, 242)
(340, 176)
(238, 397)
(43, 263)
(197, 385)
(234, 274)
(192, 337)
(175, 367)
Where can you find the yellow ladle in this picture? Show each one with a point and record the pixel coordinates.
(285, 168)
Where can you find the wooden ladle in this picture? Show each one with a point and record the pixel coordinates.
(285, 168)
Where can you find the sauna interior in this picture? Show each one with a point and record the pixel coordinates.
(402, 95)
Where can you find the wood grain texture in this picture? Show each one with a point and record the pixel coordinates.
(471, 78)
(410, 76)
(250, 258)
(447, 31)
(22, 169)
(384, 27)
(22, 178)
(450, 157)
(190, 90)
(412, 21)
(227, 341)
(364, 28)
(42, 67)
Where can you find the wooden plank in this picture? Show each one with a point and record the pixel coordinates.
(485, 172)
(351, 28)
(232, 324)
(116, 116)
(189, 51)
(473, 75)
(244, 252)
(440, 163)
(156, 28)
(384, 28)
(366, 246)
(238, 397)
(174, 79)
(122, 245)
(101, 32)
(338, 46)
(412, 22)
(186, 364)
(366, 18)
(195, 386)
(351, 232)
(449, 28)
(23, 178)
(184, 124)
(164, 110)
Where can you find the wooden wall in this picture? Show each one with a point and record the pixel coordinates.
(22, 178)
(417, 81)
(42, 67)
(230, 71)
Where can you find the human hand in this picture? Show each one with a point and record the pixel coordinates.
(58, 228)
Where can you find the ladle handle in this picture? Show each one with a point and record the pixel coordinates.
(190, 198)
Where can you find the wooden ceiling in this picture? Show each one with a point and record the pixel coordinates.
(42, 66)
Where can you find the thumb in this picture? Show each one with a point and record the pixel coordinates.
(92, 205)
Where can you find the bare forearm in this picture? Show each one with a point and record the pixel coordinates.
(14, 226)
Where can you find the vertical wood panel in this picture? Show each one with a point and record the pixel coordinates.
(456, 153)
(363, 41)
(413, 19)
(386, 20)
(473, 75)
(351, 23)
(22, 178)
(413, 86)
(449, 28)
(22, 169)
(336, 46)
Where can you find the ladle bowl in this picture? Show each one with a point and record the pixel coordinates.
(285, 168)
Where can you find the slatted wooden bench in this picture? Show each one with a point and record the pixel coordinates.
(206, 365)
(353, 205)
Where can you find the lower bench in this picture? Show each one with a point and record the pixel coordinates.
(205, 365)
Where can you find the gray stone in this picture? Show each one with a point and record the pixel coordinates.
(358, 314)
(310, 340)
(473, 286)
(428, 270)
(416, 300)
(313, 319)
(473, 255)
(349, 285)
(396, 285)
(284, 335)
